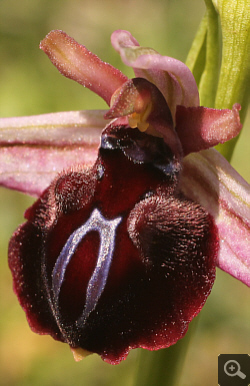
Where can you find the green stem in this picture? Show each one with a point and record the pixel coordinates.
(163, 367)
(203, 57)
(234, 78)
(235, 66)
(196, 58)
(209, 78)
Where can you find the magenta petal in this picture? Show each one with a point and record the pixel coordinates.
(200, 128)
(210, 180)
(172, 77)
(34, 149)
(74, 61)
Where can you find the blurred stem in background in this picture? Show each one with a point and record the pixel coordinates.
(220, 86)
(164, 367)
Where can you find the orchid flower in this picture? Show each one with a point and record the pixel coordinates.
(120, 249)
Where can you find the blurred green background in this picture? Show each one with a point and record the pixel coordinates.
(29, 84)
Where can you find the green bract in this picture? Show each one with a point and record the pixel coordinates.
(203, 58)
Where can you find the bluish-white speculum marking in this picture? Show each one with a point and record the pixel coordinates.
(97, 282)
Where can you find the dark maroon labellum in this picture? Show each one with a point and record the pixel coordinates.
(114, 257)
(97, 281)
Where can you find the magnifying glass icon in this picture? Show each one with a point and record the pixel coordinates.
(232, 368)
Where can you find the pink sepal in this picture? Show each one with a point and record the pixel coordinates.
(34, 149)
(210, 180)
